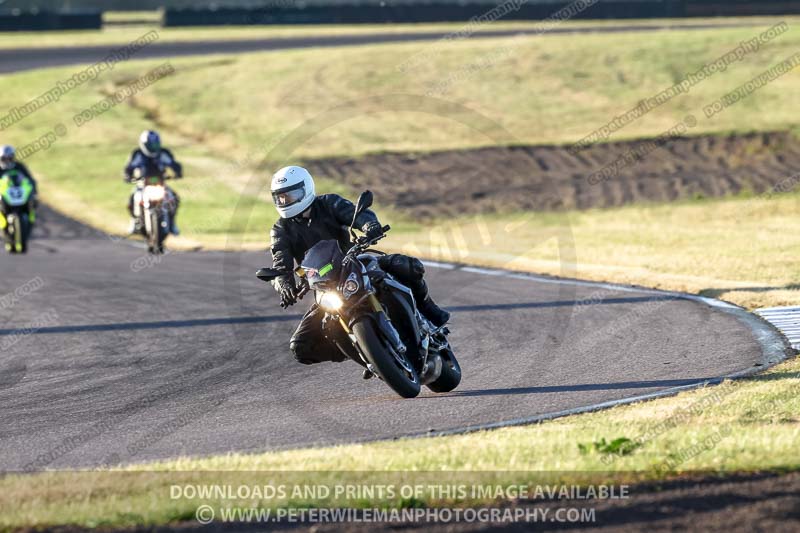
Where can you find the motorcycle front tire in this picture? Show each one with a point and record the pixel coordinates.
(379, 354)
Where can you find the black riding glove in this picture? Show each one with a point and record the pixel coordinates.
(373, 230)
(287, 291)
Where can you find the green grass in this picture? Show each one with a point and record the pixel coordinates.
(739, 426)
(736, 249)
(218, 110)
(544, 90)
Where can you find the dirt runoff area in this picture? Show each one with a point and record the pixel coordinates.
(516, 178)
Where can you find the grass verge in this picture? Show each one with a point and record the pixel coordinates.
(736, 249)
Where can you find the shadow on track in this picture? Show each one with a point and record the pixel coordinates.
(580, 388)
(128, 326)
(562, 303)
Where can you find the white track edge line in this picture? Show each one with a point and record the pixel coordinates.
(774, 345)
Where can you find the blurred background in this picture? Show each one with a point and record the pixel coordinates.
(83, 14)
(459, 114)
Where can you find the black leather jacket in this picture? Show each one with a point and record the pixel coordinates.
(330, 217)
(152, 166)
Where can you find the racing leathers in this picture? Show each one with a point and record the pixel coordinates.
(18, 174)
(328, 218)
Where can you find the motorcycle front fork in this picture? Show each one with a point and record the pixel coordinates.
(383, 323)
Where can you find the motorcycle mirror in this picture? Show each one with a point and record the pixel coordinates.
(364, 202)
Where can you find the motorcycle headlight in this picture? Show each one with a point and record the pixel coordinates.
(350, 286)
(330, 301)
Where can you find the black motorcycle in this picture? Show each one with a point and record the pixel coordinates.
(385, 332)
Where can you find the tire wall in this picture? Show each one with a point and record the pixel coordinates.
(354, 12)
(43, 20)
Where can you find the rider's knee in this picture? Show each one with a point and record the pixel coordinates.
(417, 268)
(302, 352)
(403, 266)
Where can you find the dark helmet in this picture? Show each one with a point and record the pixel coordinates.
(150, 143)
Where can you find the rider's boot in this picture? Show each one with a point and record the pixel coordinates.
(437, 316)
(411, 272)
(134, 227)
(175, 203)
(367, 374)
(173, 223)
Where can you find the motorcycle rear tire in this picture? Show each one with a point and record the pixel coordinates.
(451, 373)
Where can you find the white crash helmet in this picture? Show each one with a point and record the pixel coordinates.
(150, 143)
(7, 157)
(292, 191)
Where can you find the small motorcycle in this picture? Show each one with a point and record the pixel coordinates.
(16, 191)
(384, 330)
(153, 207)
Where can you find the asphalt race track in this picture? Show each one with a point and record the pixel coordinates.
(107, 356)
(13, 60)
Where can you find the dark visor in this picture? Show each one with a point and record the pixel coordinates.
(289, 195)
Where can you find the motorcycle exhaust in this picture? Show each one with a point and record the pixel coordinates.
(432, 369)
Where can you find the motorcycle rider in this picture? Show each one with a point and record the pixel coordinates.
(9, 163)
(306, 219)
(151, 159)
